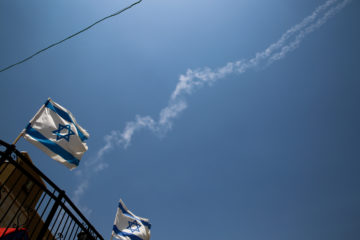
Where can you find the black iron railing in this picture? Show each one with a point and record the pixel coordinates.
(31, 202)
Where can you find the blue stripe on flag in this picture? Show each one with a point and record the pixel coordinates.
(51, 145)
(148, 225)
(65, 116)
(126, 213)
(125, 234)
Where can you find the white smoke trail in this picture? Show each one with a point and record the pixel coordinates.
(194, 79)
(304, 32)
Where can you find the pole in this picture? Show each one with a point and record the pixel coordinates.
(18, 137)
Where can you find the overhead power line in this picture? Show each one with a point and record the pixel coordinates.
(71, 36)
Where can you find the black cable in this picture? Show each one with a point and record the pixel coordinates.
(71, 36)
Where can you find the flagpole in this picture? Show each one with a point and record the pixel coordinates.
(33, 119)
(18, 137)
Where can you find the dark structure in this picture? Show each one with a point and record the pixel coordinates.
(30, 202)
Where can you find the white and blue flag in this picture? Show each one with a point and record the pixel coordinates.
(54, 130)
(127, 226)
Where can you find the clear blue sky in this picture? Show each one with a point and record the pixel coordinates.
(268, 154)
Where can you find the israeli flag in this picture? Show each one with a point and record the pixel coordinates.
(127, 226)
(54, 130)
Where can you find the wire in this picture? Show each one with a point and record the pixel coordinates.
(71, 36)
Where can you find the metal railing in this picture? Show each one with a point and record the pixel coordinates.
(30, 201)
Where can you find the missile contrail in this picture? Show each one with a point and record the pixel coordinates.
(194, 79)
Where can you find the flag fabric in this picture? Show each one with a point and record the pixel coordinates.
(54, 130)
(127, 226)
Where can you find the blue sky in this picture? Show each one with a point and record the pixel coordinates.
(267, 150)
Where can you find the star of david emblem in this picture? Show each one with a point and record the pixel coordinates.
(134, 226)
(64, 131)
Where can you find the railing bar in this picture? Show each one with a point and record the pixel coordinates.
(25, 172)
(21, 206)
(5, 182)
(69, 208)
(39, 203)
(40, 218)
(64, 225)
(17, 195)
(49, 200)
(11, 189)
(59, 224)
(78, 222)
(47, 205)
(35, 196)
(76, 231)
(72, 228)
(81, 215)
(67, 231)
(59, 210)
(28, 220)
(58, 189)
(37, 208)
(50, 216)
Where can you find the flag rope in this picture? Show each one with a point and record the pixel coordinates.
(71, 36)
